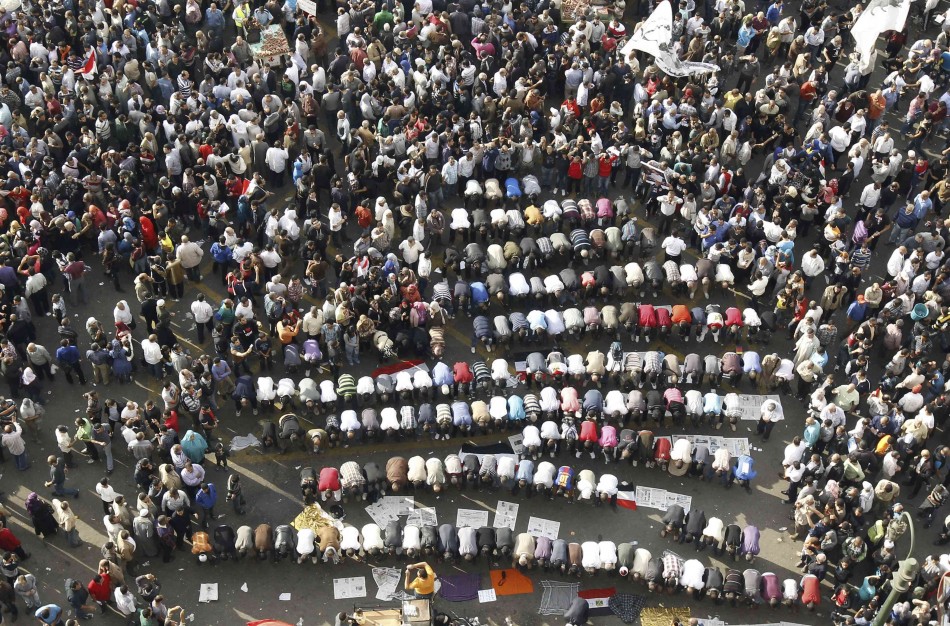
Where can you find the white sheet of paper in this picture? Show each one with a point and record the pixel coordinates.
(515, 442)
(244, 587)
(346, 588)
(284, 597)
(423, 516)
(388, 579)
(541, 527)
(381, 515)
(471, 517)
(506, 515)
(208, 592)
(400, 505)
(486, 595)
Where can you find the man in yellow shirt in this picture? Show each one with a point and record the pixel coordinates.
(423, 585)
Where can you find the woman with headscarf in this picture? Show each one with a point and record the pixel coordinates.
(194, 446)
(30, 384)
(121, 365)
(41, 514)
(149, 236)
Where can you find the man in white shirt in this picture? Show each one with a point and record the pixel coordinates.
(812, 266)
(125, 601)
(668, 205)
(37, 293)
(840, 139)
(152, 353)
(411, 249)
(276, 158)
(204, 316)
(673, 246)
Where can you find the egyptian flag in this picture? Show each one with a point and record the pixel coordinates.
(627, 500)
(89, 67)
(598, 599)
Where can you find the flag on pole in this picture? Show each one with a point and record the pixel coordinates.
(627, 500)
(90, 66)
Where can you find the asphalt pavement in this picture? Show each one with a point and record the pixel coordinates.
(271, 487)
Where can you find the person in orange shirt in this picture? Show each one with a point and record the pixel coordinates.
(287, 331)
(876, 106)
(363, 217)
(423, 586)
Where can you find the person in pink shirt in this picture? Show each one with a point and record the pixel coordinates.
(608, 440)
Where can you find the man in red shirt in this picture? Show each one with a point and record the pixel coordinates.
(605, 165)
(806, 95)
(100, 590)
(329, 485)
(364, 217)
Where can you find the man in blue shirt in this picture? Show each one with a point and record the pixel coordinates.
(222, 256)
(50, 614)
(214, 19)
(68, 357)
(206, 498)
(922, 204)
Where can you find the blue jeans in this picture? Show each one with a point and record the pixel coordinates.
(899, 234)
(22, 461)
(60, 490)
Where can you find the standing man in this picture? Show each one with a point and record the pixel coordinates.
(102, 439)
(276, 158)
(84, 434)
(206, 498)
(13, 442)
(190, 254)
(68, 357)
(35, 290)
(204, 316)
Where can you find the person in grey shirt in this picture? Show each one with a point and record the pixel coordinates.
(40, 360)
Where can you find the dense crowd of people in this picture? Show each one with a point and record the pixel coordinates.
(436, 169)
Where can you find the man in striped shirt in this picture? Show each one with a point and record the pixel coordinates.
(346, 388)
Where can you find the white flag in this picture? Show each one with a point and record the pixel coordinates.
(655, 37)
(879, 16)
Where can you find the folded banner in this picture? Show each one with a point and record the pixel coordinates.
(655, 37)
(878, 16)
(627, 500)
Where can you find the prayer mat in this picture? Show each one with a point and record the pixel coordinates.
(626, 606)
(459, 587)
(557, 597)
(662, 616)
(510, 582)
